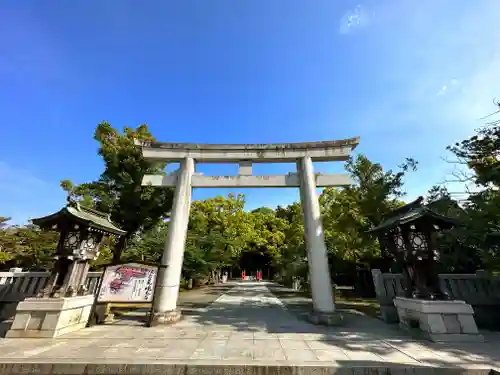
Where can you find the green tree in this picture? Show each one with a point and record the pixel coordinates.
(105, 255)
(27, 247)
(206, 255)
(481, 154)
(267, 233)
(147, 246)
(482, 224)
(6, 240)
(292, 264)
(377, 191)
(345, 225)
(350, 212)
(263, 210)
(457, 250)
(217, 232)
(119, 189)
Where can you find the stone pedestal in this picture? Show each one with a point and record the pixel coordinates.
(167, 317)
(439, 321)
(50, 317)
(326, 319)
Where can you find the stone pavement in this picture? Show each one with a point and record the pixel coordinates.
(249, 325)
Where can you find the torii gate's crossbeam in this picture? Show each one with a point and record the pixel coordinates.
(276, 181)
(256, 153)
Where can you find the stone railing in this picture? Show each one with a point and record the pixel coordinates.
(15, 286)
(480, 290)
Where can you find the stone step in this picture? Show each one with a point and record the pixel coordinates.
(195, 368)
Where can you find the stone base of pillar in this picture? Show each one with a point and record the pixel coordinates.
(167, 317)
(326, 319)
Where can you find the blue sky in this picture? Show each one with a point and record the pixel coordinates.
(408, 77)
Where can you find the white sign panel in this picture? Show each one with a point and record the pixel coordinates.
(131, 282)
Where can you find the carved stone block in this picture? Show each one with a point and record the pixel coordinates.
(440, 321)
(50, 317)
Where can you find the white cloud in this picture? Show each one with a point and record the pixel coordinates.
(450, 87)
(442, 91)
(354, 19)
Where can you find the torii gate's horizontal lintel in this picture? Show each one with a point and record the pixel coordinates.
(337, 150)
(272, 181)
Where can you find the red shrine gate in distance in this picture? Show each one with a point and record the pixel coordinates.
(185, 179)
(258, 275)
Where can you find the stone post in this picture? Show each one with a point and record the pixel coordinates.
(167, 289)
(319, 273)
(388, 311)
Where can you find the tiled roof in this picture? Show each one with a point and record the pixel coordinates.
(412, 212)
(89, 216)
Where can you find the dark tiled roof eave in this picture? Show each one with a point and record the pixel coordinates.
(412, 216)
(90, 217)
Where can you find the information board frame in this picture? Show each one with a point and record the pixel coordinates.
(126, 279)
(129, 270)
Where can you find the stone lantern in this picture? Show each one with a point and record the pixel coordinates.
(410, 234)
(82, 230)
(64, 304)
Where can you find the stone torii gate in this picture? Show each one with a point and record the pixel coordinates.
(185, 178)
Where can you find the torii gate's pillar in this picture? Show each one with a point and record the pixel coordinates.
(169, 275)
(319, 273)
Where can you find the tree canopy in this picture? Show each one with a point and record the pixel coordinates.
(220, 230)
(119, 189)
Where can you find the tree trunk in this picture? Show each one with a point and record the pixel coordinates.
(118, 249)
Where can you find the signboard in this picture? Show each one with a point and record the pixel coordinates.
(129, 282)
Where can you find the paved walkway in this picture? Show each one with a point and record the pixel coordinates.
(249, 325)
